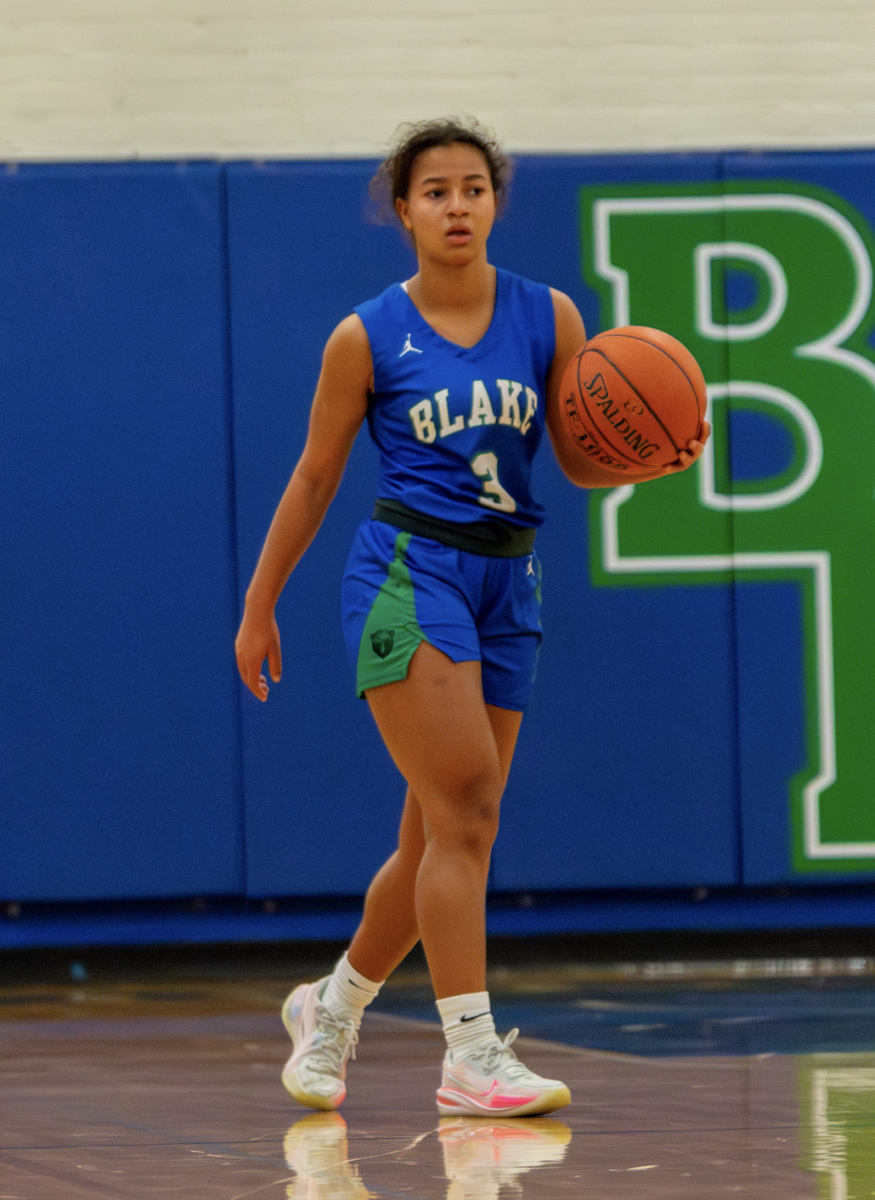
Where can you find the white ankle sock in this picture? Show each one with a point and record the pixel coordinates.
(348, 993)
(467, 1020)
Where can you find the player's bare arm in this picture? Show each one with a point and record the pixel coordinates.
(339, 408)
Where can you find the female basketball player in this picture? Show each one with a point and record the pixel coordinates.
(457, 372)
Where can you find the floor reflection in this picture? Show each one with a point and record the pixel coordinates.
(317, 1150)
(837, 1102)
(483, 1159)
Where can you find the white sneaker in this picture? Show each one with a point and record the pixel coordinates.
(323, 1044)
(491, 1081)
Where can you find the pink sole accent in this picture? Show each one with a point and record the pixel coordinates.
(460, 1102)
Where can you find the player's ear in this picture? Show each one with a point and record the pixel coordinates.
(402, 209)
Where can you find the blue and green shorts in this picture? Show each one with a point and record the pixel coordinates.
(401, 589)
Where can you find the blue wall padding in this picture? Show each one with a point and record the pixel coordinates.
(162, 327)
(322, 796)
(120, 755)
(768, 617)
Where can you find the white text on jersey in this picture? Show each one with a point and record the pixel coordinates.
(482, 412)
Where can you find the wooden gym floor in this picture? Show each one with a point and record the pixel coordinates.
(131, 1088)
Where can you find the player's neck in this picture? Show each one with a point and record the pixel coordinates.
(457, 301)
(454, 285)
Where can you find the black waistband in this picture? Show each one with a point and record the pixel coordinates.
(494, 538)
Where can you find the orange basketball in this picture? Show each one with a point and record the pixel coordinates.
(632, 398)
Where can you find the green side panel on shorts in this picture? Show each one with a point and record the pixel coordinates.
(392, 631)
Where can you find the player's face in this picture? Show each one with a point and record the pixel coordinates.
(450, 204)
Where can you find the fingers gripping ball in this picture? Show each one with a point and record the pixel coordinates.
(631, 400)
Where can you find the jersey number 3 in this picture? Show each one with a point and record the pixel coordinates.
(485, 467)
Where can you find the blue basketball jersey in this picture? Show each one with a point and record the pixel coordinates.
(457, 428)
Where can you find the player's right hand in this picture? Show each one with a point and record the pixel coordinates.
(258, 639)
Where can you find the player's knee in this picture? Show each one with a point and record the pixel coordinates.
(476, 841)
(470, 818)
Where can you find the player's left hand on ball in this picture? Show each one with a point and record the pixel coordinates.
(694, 450)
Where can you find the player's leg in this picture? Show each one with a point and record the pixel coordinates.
(455, 752)
(437, 728)
(389, 929)
(439, 731)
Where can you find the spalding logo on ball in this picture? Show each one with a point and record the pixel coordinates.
(632, 398)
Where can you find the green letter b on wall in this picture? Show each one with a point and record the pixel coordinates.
(770, 286)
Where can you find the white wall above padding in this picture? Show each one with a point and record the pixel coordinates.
(104, 79)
